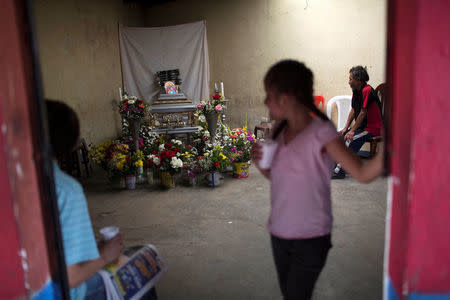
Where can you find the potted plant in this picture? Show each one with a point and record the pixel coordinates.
(150, 145)
(214, 161)
(127, 164)
(191, 164)
(167, 161)
(211, 109)
(238, 143)
(133, 110)
(107, 155)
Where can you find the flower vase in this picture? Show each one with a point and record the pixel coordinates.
(240, 170)
(211, 120)
(167, 180)
(150, 180)
(135, 125)
(130, 181)
(213, 178)
(140, 178)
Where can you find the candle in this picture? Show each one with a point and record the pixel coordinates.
(120, 94)
(215, 87)
(221, 88)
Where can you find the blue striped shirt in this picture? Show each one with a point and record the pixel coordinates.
(77, 234)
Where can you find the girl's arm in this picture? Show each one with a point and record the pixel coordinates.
(363, 172)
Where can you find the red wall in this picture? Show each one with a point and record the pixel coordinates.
(429, 220)
(12, 283)
(20, 207)
(419, 71)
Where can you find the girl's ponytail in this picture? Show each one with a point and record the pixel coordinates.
(278, 130)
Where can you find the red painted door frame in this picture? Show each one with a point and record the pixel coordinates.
(32, 259)
(418, 257)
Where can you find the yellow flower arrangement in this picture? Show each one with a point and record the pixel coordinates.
(98, 154)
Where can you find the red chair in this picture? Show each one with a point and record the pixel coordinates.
(373, 141)
(319, 101)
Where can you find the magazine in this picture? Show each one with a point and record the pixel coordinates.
(136, 277)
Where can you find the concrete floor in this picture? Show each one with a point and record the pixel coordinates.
(216, 244)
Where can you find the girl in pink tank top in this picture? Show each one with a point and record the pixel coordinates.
(300, 220)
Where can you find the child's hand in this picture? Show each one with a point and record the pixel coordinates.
(256, 152)
(111, 250)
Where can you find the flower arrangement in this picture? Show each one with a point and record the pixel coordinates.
(133, 108)
(190, 161)
(238, 143)
(116, 158)
(213, 105)
(149, 140)
(101, 154)
(167, 157)
(126, 162)
(214, 159)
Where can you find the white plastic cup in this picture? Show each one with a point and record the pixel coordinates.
(268, 148)
(109, 232)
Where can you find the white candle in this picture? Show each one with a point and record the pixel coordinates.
(120, 94)
(221, 88)
(215, 87)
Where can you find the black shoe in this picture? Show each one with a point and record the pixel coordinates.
(338, 176)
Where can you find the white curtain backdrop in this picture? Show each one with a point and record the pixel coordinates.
(146, 50)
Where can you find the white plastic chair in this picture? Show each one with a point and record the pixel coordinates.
(343, 104)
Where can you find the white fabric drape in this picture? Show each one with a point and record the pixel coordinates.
(146, 50)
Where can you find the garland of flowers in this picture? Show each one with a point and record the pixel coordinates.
(131, 107)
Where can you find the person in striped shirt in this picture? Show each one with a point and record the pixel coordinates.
(83, 258)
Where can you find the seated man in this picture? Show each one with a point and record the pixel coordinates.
(366, 111)
(83, 258)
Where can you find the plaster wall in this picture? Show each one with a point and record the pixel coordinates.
(79, 55)
(246, 37)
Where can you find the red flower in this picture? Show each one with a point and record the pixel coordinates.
(141, 105)
(168, 145)
(140, 101)
(170, 153)
(124, 106)
(200, 157)
(154, 152)
(233, 136)
(216, 164)
(189, 146)
(203, 138)
(176, 149)
(125, 101)
(216, 96)
(128, 159)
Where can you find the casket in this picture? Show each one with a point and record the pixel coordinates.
(171, 111)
